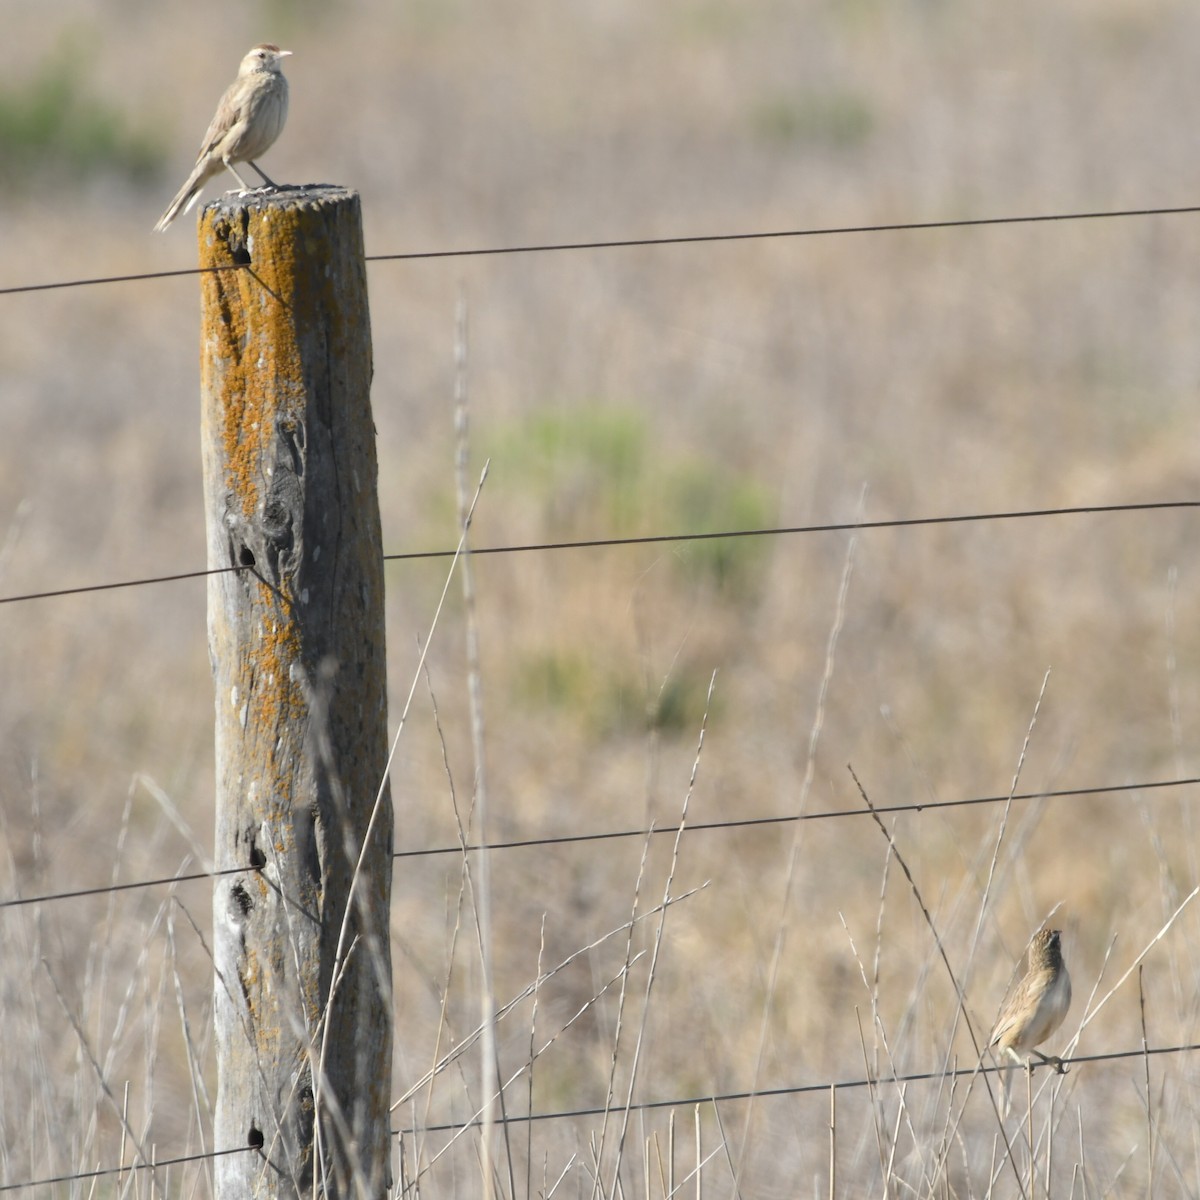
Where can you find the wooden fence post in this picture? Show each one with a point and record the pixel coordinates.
(300, 938)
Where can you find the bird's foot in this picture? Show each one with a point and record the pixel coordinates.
(268, 182)
(1052, 1060)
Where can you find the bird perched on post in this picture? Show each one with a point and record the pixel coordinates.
(1036, 1008)
(248, 120)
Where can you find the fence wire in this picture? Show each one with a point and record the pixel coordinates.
(638, 1106)
(570, 839)
(698, 239)
(653, 539)
(715, 826)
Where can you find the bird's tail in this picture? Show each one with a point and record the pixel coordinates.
(1005, 1078)
(188, 194)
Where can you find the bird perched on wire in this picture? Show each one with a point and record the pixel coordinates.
(1036, 1008)
(248, 120)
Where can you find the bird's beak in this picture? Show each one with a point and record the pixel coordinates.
(284, 53)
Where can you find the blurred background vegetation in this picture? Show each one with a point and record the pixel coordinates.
(55, 128)
(631, 392)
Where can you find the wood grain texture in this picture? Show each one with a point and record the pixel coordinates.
(298, 658)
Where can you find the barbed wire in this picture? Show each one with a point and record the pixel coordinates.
(653, 831)
(629, 243)
(636, 1106)
(661, 539)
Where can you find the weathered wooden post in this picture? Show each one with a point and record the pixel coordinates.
(296, 637)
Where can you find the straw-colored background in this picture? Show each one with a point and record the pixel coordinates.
(638, 391)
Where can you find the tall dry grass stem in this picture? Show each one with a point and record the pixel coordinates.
(652, 971)
(119, 1110)
(472, 1038)
(832, 1141)
(782, 924)
(614, 1054)
(1146, 1069)
(482, 886)
(537, 992)
(941, 949)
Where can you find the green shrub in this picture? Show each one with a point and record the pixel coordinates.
(54, 124)
(594, 472)
(838, 120)
(611, 701)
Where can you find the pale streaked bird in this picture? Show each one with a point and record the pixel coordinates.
(248, 120)
(1037, 1006)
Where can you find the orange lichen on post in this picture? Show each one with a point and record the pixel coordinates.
(248, 323)
(297, 646)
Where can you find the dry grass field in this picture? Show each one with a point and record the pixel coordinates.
(686, 388)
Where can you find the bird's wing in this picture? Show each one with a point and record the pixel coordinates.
(223, 119)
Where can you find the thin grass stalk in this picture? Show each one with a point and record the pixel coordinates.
(876, 1100)
(123, 1018)
(614, 1057)
(881, 1034)
(895, 1145)
(873, 987)
(105, 940)
(170, 810)
(670, 1155)
(1146, 1068)
(401, 725)
(1029, 1127)
(154, 1004)
(697, 1171)
(725, 1145)
(372, 821)
(200, 1097)
(472, 1121)
(472, 1038)
(976, 934)
(659, 932)
(532, 1056)
(594, 1151)
(562, 1175)
(1051, 1123)
(652, 1141)
(86, 1049)
(814, 737)
(489, 1063)
(948, 1131)
(958, 992)
(832, 1141)
(124, 1132)
(1136, 962)
(443, 1024)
